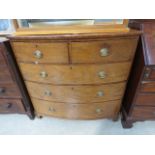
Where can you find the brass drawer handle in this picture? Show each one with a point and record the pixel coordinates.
(51, 109)
(48, 93)
(98, 110)
(2, 91)
(100, 93)
(102, 74)
(38, 54)
(104, 52)
(43, 74)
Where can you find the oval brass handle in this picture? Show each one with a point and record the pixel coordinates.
(104, 52)
(38, 54)
(102, 74)
(2, 90)
(100, 93)
(48, 93)
(51, 109)
(43, 74)
(98, 110)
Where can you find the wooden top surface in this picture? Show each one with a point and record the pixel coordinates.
(73, 35)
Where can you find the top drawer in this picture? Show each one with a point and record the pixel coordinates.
(105, 51)
(41, 52)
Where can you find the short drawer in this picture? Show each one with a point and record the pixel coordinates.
(145, 99)
(77, 111)
(9, 91)
(143, 113)
(105, 51)
(147, 86)
(11, 106)
(76, 74)
(76, 94)
(41, 52)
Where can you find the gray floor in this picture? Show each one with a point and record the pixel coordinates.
(16, 125)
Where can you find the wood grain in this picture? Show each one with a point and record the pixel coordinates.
(51, 52)
(143, 113)
(11, 106)
(10, 91)
(5, 76)
(77, 111)
(74, 36)
(76, 74)
(89, 52)
(147, 99)
(147, 87)
(76, 94)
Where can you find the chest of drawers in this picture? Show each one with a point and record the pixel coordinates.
(139, 99)
(76, 76)
(11, 94)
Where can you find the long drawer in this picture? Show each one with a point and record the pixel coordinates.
(76, 94)
(76, 74)
(105, 51)
(143, 112)
(11, 106)
(77, 111)
(42, 52)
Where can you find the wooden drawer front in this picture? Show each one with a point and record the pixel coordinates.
(143, 113)
(11, 106)
(77, 111)
(41, 52)
(9, 91)
(76, 94)
(145, 99)
(103, 51)
(148, 86)
(75, 74)
(5, 76)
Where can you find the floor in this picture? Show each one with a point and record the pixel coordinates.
(15, 125)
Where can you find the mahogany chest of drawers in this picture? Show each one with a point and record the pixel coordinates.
(76, 76)
(12, 98)
(139, 99)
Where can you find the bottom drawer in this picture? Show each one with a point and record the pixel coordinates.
(11, 106)
(77, 111)
(143, 112)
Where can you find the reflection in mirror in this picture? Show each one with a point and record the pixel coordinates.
(29, 23)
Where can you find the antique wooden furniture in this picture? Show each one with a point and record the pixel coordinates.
(13, 98)
(76, 72)
(139, 100)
